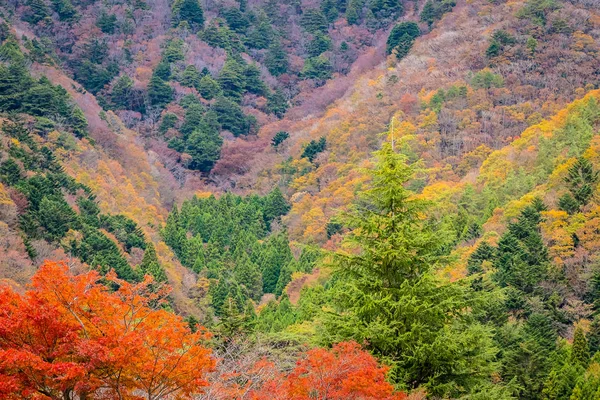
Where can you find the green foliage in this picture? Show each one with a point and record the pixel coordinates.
(55, 217)
(483, 252)
(209, 88)
(522, 258)
(231, 117)
(125, 230)
(353, 11)
(125, 97)
(561, 382)
(169, 121)
(318, 45)
(382, 9)
(36, 11)
(314, 21)
(159, 92)
(151, 266)
(204, 146)
(21, 93)
(313, 148)
(388, 294)
(188, 11)
(10, 172)
(401, 38)
(173, 51)
(190, 77)
(500, 39)
(279, 138)
(486, 79)
(47, 215)
(261, 34)
(581, 180)
(277, 103)
(97, 250)
(537, 10)
(236, 20)
(434, 10)
(568, 203)
(232, 80)
(107, 22)
(276, 59)
(227, 239)
(580, 352)
(65, 10)
(526, 359)
(253, 82)
(317, 68)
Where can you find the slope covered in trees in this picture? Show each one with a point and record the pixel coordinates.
(358, 199)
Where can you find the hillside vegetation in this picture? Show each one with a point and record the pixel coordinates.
(361, 199)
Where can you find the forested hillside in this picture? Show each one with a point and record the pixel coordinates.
(300, 199)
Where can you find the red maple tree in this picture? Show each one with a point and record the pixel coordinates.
(71, 336)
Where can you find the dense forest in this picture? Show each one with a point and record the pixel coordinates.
(300, 199)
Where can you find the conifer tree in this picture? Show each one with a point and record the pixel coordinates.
(189, 11)
(159, 92)
(208, 87)
(276, 59)
(151, 266)
(248, 274)
(389, 296)
(580, 352)
(231, 79)
(190, 77)
(484, 252)
(581, 179)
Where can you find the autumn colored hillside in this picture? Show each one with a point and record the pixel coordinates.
(337, 199)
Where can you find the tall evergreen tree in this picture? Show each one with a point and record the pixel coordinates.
(580, 352)
(581, 180)
(231, 79)
(151, 266)
(189, 11)
(389, 296)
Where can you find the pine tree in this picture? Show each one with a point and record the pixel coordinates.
(189, 11)
(276, 59)
(65, 10)
(568, 203)
(279, 138)
(209, 88)
(151, 266)
(484, 252)
(231, 79)
(204, 146)
(194, 117)
(275, 205)
(190, 77)
(248, 274)
(594, 336)
(253, 82)
(314, 21)
(581, 180)
(159, 92)
(261, 34)
(388, 294)
(405, 32)
(37, 11)
(580, 352)
(277, 103)
(231, 117)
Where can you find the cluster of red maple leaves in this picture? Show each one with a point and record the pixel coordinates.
(72, 337)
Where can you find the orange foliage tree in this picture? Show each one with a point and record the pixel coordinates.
(346, 372)
(72, 337)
